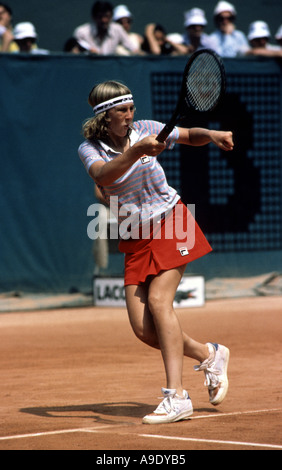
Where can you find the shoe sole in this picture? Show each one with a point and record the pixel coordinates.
(223, 394)
(164, 420)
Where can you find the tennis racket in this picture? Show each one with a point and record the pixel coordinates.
(203, 87)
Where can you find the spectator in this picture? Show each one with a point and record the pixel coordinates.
(259, 36)
(124, 17)
(156, 42)
(278, 36)
(25, 37)
(74, 46)
(229, 42)
(6, 29)
(102, 35)
(195, 38)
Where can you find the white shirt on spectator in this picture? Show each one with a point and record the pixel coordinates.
(229, 45)
(115, 36)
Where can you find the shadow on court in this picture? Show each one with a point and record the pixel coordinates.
(100, 411)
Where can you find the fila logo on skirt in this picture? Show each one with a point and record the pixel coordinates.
(183, 251)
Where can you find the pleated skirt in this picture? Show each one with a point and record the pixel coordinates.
(175, 241)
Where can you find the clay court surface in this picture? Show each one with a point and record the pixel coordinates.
(78, 379)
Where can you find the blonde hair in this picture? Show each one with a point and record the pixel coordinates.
(97, 126)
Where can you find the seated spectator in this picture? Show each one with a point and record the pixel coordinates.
(229, 42)
(195, 38)
(25, 37)
(102, 35)
(156, 42)
(278, 36)
(6, 29)
(124, 17)
(259, 36)
(74, 46)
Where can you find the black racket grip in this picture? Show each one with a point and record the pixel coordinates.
(164, 133)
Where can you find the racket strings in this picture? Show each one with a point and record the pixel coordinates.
(204, 83)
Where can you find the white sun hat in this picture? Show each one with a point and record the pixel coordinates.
(258, 29)
(121, 11)
(24, 30)
(195, 16)
(224, 6)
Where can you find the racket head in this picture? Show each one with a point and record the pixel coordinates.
(204, 81)
(203, 87)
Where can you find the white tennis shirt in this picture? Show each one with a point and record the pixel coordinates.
(143, 189)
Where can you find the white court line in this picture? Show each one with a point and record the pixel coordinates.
(53, 433)
(215, 441)
(98, 428)
(235, 413)
(212, 441)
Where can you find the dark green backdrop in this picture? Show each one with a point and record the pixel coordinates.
(45, 191)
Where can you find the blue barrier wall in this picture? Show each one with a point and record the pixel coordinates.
(45, 192)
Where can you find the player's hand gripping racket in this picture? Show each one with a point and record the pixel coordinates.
(203, 87)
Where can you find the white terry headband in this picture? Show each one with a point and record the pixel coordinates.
(100, 108)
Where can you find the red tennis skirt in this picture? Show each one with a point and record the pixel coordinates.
(178, 240)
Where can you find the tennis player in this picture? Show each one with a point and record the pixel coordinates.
(120, 156)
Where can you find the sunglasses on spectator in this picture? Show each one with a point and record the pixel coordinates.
(225, 17)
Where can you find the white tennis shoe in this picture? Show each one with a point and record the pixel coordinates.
(215, 370)
(173, 408)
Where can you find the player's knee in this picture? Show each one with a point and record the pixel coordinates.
(146, 336)
(158, 304)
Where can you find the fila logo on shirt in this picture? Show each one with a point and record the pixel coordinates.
(183, 251)
(145, 159)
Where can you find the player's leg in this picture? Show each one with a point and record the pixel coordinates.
(142, 323)
(213, 357)
(154, 322)
(161, 293)
(176, 404)
(139, 315)
(144, 327)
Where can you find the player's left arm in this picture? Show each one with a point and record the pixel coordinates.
(198, 136)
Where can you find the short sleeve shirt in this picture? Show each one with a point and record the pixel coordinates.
(115, 36)
(143, 189)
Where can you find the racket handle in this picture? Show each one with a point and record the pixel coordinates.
(164, 133)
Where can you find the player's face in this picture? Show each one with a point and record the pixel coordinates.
(121, 118)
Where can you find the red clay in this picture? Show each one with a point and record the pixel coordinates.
(82, 372)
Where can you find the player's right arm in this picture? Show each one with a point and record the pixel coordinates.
(105, 173)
